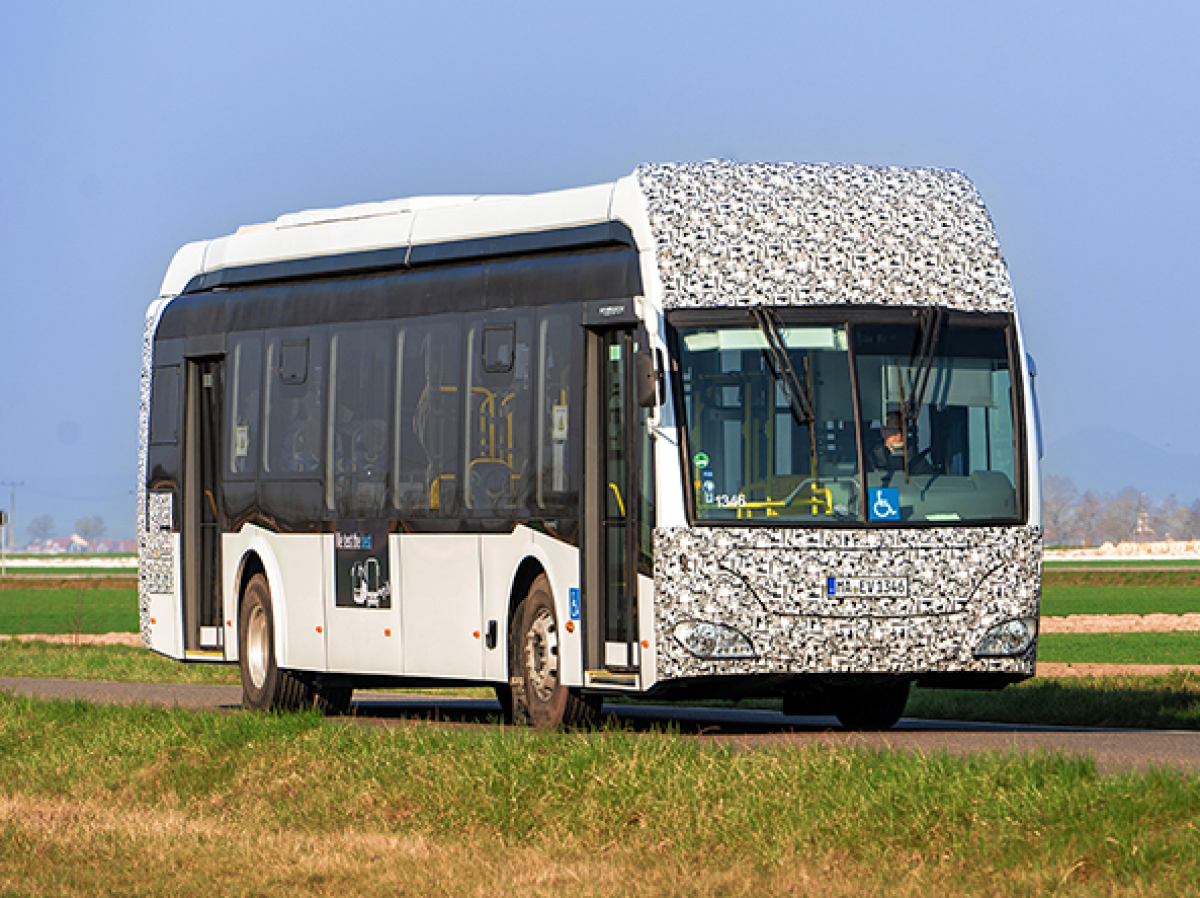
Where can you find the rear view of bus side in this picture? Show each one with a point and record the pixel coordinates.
(712, 430)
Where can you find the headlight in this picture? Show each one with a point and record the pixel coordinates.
(716, 641)
(1012, 637)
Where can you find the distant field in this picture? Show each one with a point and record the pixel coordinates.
(1120, 648)
(1062, 600)
(1148, 589)
(69, 610)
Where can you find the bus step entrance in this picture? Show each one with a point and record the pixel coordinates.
(628, 679)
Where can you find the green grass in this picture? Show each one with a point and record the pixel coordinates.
(1141, 563)
(1063, 600)
(107, 799)
(1170, 701)
(118, 663)
(1120, 648)
(77, 610)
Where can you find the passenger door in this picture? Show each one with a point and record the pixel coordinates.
(614, 487)
(203, 632)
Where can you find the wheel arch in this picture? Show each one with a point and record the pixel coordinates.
(257, 558)
(530, 568)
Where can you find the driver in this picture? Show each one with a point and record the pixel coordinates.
(886, 451)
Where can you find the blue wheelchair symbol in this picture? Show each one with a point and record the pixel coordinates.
(885, 504)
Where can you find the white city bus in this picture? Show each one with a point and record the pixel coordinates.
(712, 430)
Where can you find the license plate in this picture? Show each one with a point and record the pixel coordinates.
(867, 587)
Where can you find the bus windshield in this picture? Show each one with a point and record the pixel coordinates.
(861, 422)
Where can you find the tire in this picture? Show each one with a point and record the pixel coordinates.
(332, 701)
(538, 695)
(872, 707)
(264, 686)
(504, 695)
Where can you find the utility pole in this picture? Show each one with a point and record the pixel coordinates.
(12, 509)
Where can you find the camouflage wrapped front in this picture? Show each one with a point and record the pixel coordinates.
(941, 588)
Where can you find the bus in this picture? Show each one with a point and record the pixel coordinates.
(712, 430)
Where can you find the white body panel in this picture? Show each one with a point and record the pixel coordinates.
(441, 605)
(502, 555)
(447, 588)
(278, 243)
(163, 631)
(364, 640)
(296, 573)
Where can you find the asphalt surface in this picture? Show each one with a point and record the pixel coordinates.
(1114, 751)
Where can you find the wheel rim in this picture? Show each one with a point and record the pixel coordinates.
(257, 647)
(541, 655)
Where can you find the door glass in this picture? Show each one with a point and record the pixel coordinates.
(617, 503)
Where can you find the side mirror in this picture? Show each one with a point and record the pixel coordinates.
(646, 375)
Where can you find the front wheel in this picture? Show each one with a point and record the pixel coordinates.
(538, 695)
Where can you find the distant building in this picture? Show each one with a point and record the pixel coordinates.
(76, 544)
(1143, 532)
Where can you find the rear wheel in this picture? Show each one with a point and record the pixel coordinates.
(871, 707)
(264, 686)
(538, 695)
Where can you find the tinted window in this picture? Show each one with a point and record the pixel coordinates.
(361, 361)
(558, 360)
(245, 391)
(427, 422)
(164, 405)
(295, 414)
(499, 365)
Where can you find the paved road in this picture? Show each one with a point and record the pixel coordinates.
(1114, 751)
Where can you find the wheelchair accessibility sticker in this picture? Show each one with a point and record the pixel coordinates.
(885, 503)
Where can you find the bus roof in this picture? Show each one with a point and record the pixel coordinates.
(720, 233)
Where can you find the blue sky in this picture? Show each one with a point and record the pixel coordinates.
(128, 129)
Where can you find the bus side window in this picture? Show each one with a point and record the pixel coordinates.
(555, 484)
(295, 404)
(427, 423)
(164, 406)
(499, 361)
(244, 391)
(360, 362)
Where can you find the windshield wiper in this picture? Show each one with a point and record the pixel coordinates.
(799, 398)
(782, 369)
(918, 382)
